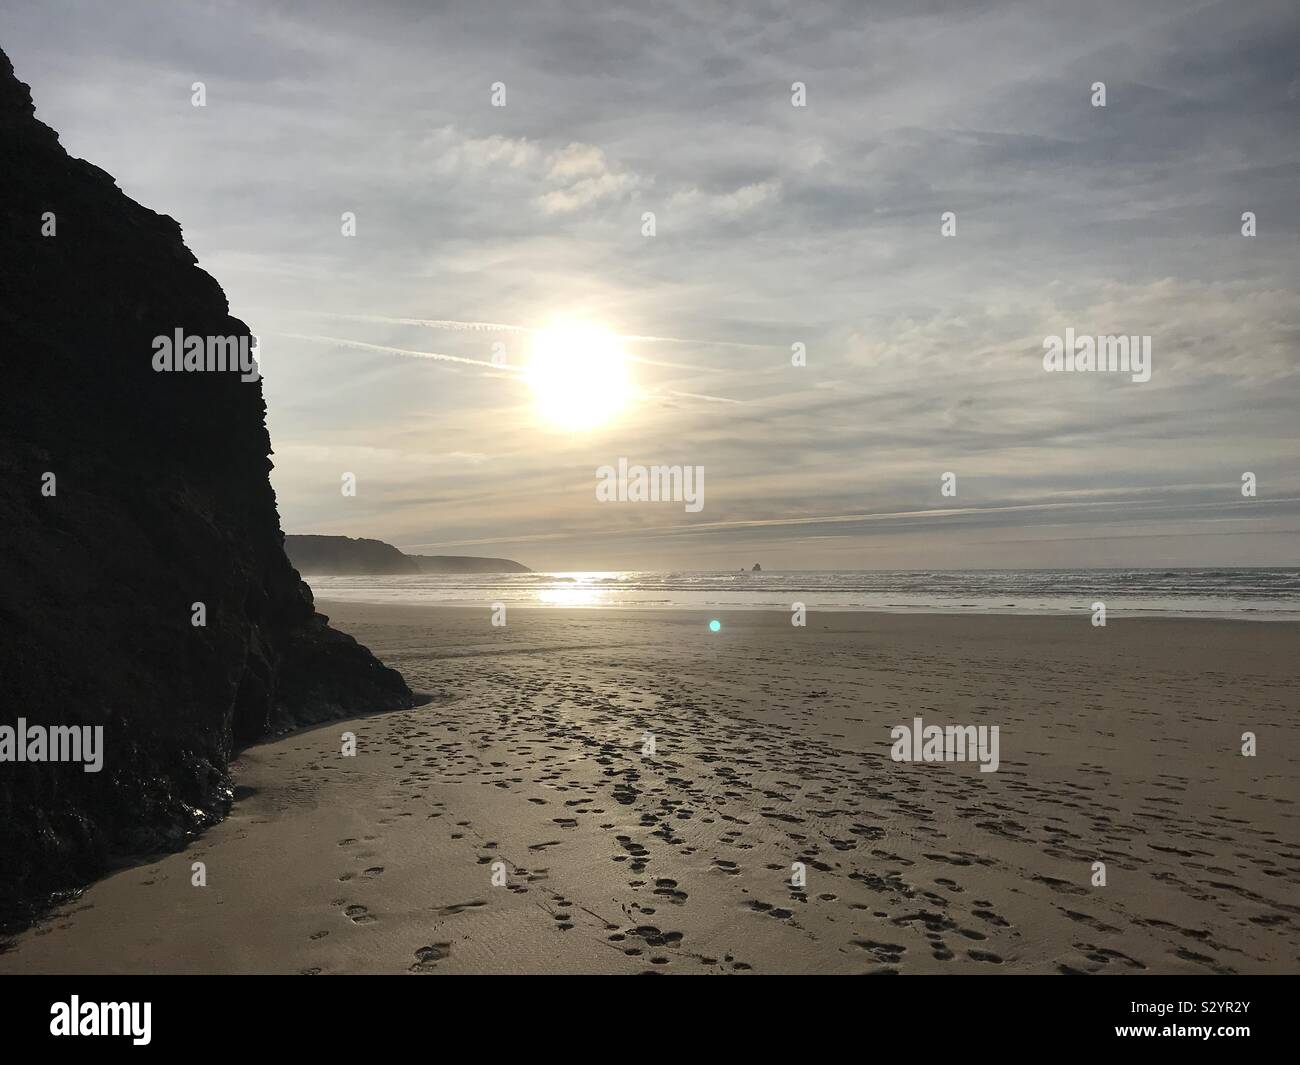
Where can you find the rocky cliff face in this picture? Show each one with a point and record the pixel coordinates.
(126, 497)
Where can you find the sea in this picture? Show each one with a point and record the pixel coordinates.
(1249, 593)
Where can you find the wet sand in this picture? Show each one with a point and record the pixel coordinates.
(772, 744)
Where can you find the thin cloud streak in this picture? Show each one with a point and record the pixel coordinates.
(503, 327)
(436, 356)
(505, 370)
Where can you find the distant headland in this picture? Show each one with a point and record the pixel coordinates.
(346, 556)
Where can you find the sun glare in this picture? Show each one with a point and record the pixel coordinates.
(578, 375)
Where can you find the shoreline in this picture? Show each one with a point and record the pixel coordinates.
(1118, 745)
(1114, 616)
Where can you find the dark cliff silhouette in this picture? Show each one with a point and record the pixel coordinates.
(161, 499)
(346, 556)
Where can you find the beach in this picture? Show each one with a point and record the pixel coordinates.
(625, 791)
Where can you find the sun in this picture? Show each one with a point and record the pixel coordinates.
(578, 375)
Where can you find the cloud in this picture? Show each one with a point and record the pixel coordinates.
(691, 206)
(584, 178)
(482, 153)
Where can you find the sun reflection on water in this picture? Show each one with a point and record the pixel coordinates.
(577, 596)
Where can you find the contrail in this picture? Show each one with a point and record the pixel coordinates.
(671, 365)
(702, 343)
(433, 323)
(503, 327)
(435, 355)
(696, 395)
(438, 356)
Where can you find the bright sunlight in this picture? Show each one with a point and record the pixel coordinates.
(578, 374)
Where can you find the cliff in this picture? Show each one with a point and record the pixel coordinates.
(127, 496)
(345, 556)
(342, 555)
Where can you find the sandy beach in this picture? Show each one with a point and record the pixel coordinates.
(771, 743)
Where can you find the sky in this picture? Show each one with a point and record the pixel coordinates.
(775, 225)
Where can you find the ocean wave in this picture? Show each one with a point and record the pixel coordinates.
(1272, 593)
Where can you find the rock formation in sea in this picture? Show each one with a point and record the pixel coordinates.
(128, 496)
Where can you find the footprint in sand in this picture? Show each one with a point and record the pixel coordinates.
(359, 915)
(1063, 886)
(652, 937)
(1083, 918)
(426, 958)
(889, 953)
(459, 907)
(992, 918)
(668, 889)
(984, 955)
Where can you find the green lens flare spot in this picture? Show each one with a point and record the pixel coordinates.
(715, 625)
